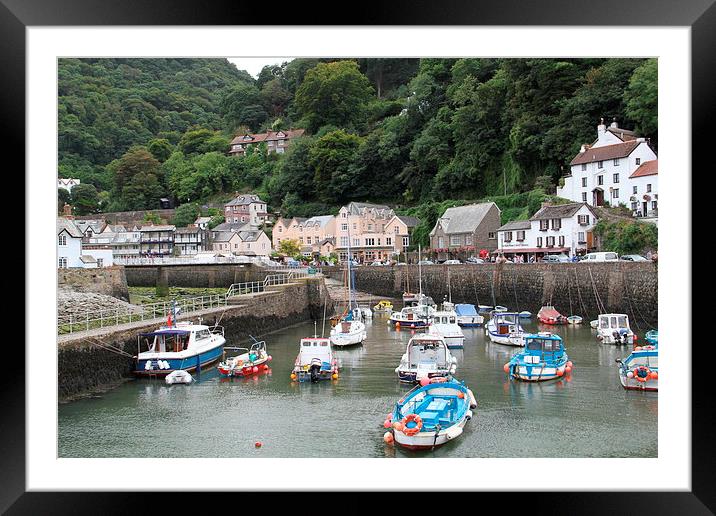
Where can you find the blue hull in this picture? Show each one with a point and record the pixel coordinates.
(188, 364)
(469, 325)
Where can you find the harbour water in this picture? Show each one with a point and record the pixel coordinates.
(585, 415)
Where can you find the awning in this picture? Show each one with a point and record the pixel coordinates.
(513, 250)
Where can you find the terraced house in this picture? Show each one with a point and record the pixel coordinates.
(246, 209)
(369, 231)
(314, 235)
(461, 232)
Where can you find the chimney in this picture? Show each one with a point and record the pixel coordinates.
(614, 124)
(601, 128)
(583, 148)
(545, 204)
(67, 211)
(640, 140)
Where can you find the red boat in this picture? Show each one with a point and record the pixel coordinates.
(549, 315)
(254, 361)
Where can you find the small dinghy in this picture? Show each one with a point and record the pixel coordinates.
(614, 329)
(426, 357)
(640, 370)
(652, 337)
(430, 415)
(252, 361)
(499, 308)
(383, 306)
(574, 319)
(549, 315)
(594, 324)
(524, 314)
(505, 328)
(178, 376)
(484, 309)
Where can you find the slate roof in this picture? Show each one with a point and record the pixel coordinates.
(243, 200)
(356, 208)
(411, 222)
(267, 136)
(224, 236)
(560, 211)
(463, 219)
(515, 225)
(158, 227)
(319, 220)
(231, 226)
(648, 168)
(618, 150)
(64, 224)
(86, 258)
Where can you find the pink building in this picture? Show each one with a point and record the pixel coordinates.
(311, 234)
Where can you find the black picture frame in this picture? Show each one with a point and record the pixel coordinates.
(16, 15)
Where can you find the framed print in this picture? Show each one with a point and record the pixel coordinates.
(255, 202)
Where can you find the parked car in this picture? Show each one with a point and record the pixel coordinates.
(425, 262)
(556, 258)
(473, 259)
(452, 262)
(378, 264)
(600, 257)
(293, 263)
(633, 258)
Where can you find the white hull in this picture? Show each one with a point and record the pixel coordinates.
(636, 385)
(607, 337)
(538, 374)
(427, 440)
(508, 340)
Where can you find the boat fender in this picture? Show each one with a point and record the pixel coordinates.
(468, 415)
(453, 432)
(473, 401)
(147, 365)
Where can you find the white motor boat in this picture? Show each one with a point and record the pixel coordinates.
(614, 329)
(348, 332)
(426, 356)
(505, 328)
(444, 322)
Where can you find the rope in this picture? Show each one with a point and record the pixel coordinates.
(633, 315)
(600, 305)
(110, 348)
(581, 301)
(569, 292)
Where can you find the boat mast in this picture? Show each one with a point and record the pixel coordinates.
(350, 259)
(420, 273)
(449, 290)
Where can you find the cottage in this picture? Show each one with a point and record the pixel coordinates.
(69, 244)
(463, 231)
(276, 141)
(188, 240)
(245, 208)
(644, 184)
(603, 172)
(242, 243)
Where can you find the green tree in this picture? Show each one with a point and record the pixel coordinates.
(243, 105)
(275, 97)
(63, 196)
(152, 217)
(84, 199)
(642, 98)
(137, 179)
(289, 247)
(333, 93)
(331, 157)
(186, 214)
(201, 141)
(160, 148)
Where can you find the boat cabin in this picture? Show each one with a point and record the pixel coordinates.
(315, 347)
(613, 322)
(178, 338)
(444, 318)
(428, 349)
(543, 345)
(506, 322)
(644, 357)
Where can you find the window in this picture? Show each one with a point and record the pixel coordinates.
(615, 178)
(634, 206)
(580, 237)
(63, 263)
(583, 220)
(561, 241)
(492, 235)
(615, 193)
(584, 181)
(455, 240)
(648, 187)
(539, 241)
(441, 242)
(344, 241)
(370, 241)
(635, 189)
(355, 226)
(520, 236)
(550, 241)
(600, 164)
(308, 240)
(62, 240)
(100, 262)
(616, 162)
(468, 239)
(508, 236)
(344, 227)
(600, 180)
(406, 241)
(370, 228)
(356, 242)
(388, 241)
(544, 225)
(653, 205)
(396, 229)
(343, 215)
(584, 166)
(556, 224)
(584, 196)
(638, 161)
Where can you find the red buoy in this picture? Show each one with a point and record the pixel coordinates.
(258, 444)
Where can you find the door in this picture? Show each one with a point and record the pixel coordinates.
(598, 197)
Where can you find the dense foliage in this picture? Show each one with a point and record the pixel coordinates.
(627, 237)
(418, 134)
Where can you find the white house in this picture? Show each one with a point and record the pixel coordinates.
(67, 184)
(554, 229)
(644, 188)
(602, 171)
(242, 243)
(69, 244)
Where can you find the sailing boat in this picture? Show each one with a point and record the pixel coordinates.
(444, 322)
(408, 296)
(348, 331)
(418, 315)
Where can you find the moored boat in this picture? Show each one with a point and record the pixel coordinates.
(426, 356)
(178, 377)
(614, 329)
(505, 328)
(444, 323)
(524, 314)
(500, 308)
(543, 358)
(485, 309)
(574, 319)
(383, 306)
(252, 361)
(652, 337)
(430, 415)
(179, 346)
(549, 315)
(594, 324)
(315, 361)
(348, 329)
(640, 370)
(467, 316)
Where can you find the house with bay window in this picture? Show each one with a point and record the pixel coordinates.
(554, 229)
(603, 172)
(245, 209)
(463, 231)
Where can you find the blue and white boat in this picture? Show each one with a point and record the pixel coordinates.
(467, 316)
(640, 370)
(426, 357)
(505, 328)
(430, 415)
(181, 346)
(652, 337)
(543, 358)
(315, 361)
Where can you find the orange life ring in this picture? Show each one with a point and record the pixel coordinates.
(640, 378)
(418, 424)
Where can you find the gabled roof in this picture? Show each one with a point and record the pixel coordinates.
(618, 150)
(243, 200)
(188, 229)
(411, 222)
(515, 225)
(225, 236)
(158, 227)
(231, 226)
(623, 134)
(463, 219)
(648, 168)
(357, 208)
(319, 220)
(64, 224)
(560, 211)
(267, 136)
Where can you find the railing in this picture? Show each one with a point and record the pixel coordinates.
(116, 316)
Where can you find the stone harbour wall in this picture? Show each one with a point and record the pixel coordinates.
(199, 276)
(619, 287)
(110, 281)
(85, 366)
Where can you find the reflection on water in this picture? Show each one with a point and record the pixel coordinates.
(587, 414)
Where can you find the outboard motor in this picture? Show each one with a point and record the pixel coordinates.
(315, 370)
(617, 337)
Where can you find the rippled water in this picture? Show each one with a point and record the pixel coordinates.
(587, 415)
